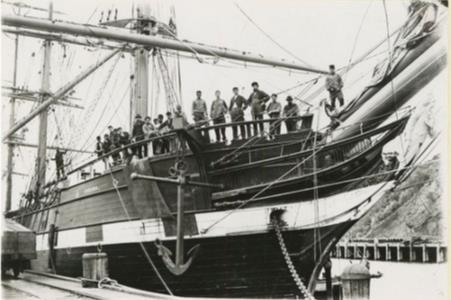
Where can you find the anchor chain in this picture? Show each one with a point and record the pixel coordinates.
(289, 263)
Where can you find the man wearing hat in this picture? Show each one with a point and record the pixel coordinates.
(291, 110)
(334, 84)
(257, 101)
(138, 134)
(237, 106)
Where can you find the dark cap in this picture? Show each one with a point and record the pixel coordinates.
(138, 116)
(289, 98)
(168, 113)
(110, 127)
(198, 91)
(235, 88)
(331, 66)
(255, 83)
(273, 95)
(160, 116)
(147, 118)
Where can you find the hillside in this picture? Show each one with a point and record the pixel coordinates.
(414, 209)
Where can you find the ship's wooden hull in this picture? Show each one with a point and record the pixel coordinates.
(248, 265)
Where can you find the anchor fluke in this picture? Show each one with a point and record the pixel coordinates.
(174, 268)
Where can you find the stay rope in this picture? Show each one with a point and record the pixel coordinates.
(146, 254)
(263, 189)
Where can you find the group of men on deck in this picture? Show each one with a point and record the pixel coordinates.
(142, 130)
(258, 103)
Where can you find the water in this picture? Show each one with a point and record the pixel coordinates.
(412, 281)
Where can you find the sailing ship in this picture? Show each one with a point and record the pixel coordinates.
(257, 215)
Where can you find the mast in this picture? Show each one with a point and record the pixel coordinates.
(140, 94)
(12, 101)
(45, 91)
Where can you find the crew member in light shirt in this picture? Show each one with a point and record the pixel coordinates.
(274, 109)
(217, 113)
(237, 107)
(334, 85)
(199, 110)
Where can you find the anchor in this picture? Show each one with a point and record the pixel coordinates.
(179, 170)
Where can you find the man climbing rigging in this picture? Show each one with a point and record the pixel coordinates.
(59, 161)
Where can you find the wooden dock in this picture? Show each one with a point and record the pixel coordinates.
(419, 251)
(50, 286)
(36, 285)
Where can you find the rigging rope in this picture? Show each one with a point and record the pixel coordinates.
(316, 231)
(390, 57)
(93, 106)
(263, 189)
(269, 37)
(149, 259)
(362, 22)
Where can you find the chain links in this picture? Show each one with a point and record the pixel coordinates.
(289, 263)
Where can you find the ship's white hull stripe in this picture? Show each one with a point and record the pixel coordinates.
(330, 210)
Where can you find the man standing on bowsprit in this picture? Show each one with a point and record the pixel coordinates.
(257, 101)
(334, 84)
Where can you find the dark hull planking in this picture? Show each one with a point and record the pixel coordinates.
(249, 265)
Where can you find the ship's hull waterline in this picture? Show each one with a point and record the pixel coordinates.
(238, 257)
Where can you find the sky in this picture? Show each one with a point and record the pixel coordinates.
(319, 32)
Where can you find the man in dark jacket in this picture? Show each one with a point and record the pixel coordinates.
(257, 100)
(99, 150)
(290, 111)
(138, 135)
(106, 147)
(238, 105)
(116, 144)
(164, 128)
(125, 141)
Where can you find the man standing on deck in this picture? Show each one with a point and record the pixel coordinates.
(138, 135)
(237, 107)
(156, 144)
(149, 132)
(98, 150)
(290, 111)
(334, 84)
(257, 101)
(106, 148)
(116, 144)
(217, 113)
(165, 127)
(200, 114)
(274, 109)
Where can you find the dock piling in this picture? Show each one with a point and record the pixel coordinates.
(356, 282)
